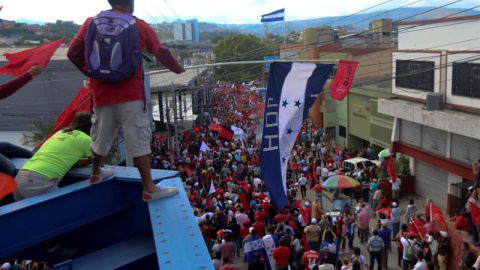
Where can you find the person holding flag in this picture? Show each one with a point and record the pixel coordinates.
(9, 88)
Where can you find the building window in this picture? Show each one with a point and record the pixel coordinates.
(466, 80)
(415, 75)
(342, 131)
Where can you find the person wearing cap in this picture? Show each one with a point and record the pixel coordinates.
(375, 245)
(443, 249)
(408, 262)
(385, 233)
(472, 199)
(397, 213)
(312, 234)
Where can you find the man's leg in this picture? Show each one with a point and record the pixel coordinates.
(143, 165)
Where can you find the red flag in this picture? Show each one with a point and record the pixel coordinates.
(436, 214)
(197, 129)
(416, 225)
(226, 134)
(215, 127)
(188, 170)
(19, 63)
(7, 185)
(343, 80)
(243, 199)
(81, 102)
(387, 211)
(475, 212)
(391, 169)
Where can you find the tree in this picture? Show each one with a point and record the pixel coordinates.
(236, 48)
(37, 132)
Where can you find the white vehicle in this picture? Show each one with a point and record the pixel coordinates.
(356, 164)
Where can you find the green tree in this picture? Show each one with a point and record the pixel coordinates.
(236, 48)
(37, 132)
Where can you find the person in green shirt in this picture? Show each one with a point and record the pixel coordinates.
(67, 148)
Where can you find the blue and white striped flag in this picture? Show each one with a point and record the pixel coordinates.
(292, 89)
(252, 246)
(277, 15)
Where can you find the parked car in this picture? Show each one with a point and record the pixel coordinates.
(355, 164)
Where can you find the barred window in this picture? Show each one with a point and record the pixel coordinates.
(466, 80)
(417, 75)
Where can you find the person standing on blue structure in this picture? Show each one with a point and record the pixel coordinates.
(119, 99)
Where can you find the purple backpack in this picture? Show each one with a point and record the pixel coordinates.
(112, 47)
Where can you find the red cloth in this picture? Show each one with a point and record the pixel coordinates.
(81, 102)
(318, 188)
(7, 185)
(226, 134)
(21, 62)
(243, 199)
(130, 89)
(188, 170)
(197, 129)
(475, 212)
(391, 169)
(343, 79)
(281, 255)
(437, 215)
(310, 257)
(461, 223)
(215, 127)
(260, 227)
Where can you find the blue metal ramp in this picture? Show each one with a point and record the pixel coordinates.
(178, 240)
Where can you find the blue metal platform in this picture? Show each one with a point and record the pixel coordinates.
(108, 224)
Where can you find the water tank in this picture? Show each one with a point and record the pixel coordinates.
(434, 101)
(326, 35)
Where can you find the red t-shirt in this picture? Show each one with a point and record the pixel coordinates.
(260, 227)
(280, 218)
(130, 89)
(318, 188)
(260, 216)
(281, 254)
(310, 258)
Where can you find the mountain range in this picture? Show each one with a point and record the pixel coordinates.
(353, 22)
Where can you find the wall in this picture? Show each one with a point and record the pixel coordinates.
(416, 56)
(359, 116)
(444, 35)
(374, 64)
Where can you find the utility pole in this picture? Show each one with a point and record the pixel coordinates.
(169, 134)
(175, 122)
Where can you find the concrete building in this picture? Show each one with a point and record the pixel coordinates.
(186, 31)
(436, 104)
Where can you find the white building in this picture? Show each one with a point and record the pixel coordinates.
(183, 32)
(436, 84)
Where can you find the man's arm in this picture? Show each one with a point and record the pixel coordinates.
(76, 54)
(12, 86)
(83, 162)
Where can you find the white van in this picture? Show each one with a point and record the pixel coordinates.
(355, 164)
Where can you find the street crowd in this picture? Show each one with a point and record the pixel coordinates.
(238, 218)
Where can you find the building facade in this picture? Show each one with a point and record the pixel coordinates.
(436, 84)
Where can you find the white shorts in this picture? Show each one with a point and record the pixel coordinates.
(30, 184)
(135, 124)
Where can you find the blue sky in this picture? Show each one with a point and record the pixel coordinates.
(219, 11)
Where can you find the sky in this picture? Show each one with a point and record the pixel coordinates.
(216, 11)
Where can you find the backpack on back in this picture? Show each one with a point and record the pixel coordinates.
(112, 47)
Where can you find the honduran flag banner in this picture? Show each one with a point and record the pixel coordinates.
(291, 91)
(277, 15)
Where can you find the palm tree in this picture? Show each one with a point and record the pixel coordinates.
(37, 132)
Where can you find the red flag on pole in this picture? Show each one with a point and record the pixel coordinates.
(243, 199)
(343, 79)
(19, 63)
(391, 169)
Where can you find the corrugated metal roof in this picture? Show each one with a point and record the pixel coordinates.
(163, 81)
(60, 53)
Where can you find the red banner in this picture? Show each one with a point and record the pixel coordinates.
(436, 214)
(19, 63)
(215, 127)
(343, 80)
(391, 168)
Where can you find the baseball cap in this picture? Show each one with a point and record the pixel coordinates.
(444, 233)
(429, 231)
(307, 204)
(394, 204)
(314, 221)
(358, 208)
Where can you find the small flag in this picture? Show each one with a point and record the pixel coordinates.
(204, 147)
(277, 15)
(212, 188)
(254, 245)
(292, 90)
(21, 62)
(343, 79)
(226, 134)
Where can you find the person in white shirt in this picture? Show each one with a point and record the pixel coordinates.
(396, 188)
(302, 181)
(421, 263)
